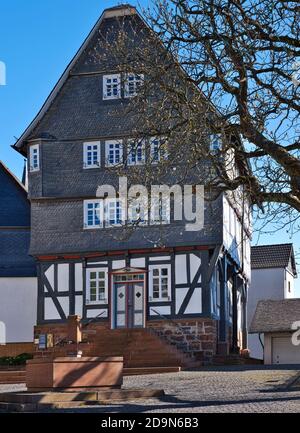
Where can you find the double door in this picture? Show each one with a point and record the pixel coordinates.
(129, 305)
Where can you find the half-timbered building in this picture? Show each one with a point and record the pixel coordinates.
(191, 286)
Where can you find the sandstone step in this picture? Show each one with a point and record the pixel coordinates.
(35, 402)
(136, 364)
(13, 382)
(40, 397)
(135, 371)
(12, 377)
(17, 407)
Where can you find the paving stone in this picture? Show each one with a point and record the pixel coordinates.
(240, 389)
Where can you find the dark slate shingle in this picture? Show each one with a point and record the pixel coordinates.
(275, 316)
(14, 205)
(273, 256)
(14, 258)
(14, 227)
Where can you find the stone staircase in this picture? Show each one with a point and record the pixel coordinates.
(10, 376)
(143, 351)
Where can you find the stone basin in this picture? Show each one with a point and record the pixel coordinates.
(72, 373)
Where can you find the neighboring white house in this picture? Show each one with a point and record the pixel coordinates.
(273, 273)
(279, 322)
(18, 281)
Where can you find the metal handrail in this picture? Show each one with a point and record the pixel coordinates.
(93, 319)
(175, 324)
(65, 339)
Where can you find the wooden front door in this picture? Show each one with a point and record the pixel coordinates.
(129, 300)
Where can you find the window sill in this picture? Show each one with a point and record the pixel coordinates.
(160, 300)
(88, 167)
(111, 98)
(105, 302)
(136, 164)
(92, 227)
(127, 96)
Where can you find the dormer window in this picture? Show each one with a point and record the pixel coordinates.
(91, 154)
(112, 86)
(114, 152)
(34, 158)
(132, 84)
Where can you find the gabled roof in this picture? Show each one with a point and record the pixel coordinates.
(14, 227)
(15, 179)
(14, 203)
(121, 10)
(275, 316)
(273, 256)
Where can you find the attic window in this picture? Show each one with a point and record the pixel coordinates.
(34, 158)
(112, 86)
(132, 84)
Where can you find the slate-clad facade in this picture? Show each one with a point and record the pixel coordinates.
(195, 275)
(18, 282)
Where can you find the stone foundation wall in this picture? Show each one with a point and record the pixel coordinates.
(15, 349)
(196, 337)
(60, 331)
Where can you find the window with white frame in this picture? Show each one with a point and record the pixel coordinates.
(158, 149)
(91, 154)
(138, 210)
(112, 86)
(113, 212)
(215, 143)
(114, 152)
(97, 286)
(133, 82)
(135, 152)
(160, 210)
(93, 214)
(160, 282)
(34, 157)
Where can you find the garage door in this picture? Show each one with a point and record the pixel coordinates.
(284, 352)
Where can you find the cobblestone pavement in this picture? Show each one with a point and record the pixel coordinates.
(222, 389)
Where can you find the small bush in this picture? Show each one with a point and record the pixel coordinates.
(15, 360)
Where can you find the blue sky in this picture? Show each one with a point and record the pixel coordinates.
(37, 41)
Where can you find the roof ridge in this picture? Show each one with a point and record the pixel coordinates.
(271, 245)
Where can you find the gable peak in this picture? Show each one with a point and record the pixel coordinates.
(119, 11)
